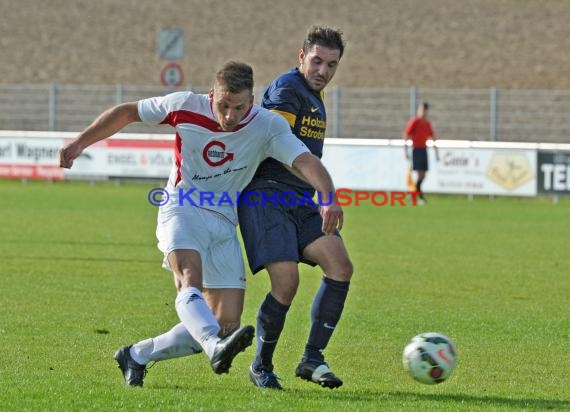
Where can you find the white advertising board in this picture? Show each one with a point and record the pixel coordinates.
(125, 158)
(507, 172)
(360, 167)
(30, 158)
(487, 171)
(485, 168)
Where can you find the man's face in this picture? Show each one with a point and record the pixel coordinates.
(318, 66)
(230, 108)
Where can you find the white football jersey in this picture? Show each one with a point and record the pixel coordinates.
(210, 165)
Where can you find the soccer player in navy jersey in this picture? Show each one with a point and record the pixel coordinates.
(279, 236)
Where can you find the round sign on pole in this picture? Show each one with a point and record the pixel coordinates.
(172, 75)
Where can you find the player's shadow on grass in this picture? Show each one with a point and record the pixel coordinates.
(465, 400)
(518, 403)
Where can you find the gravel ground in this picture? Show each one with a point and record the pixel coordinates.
(391, 43)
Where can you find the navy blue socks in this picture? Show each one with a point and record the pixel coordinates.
(270, 322)
(325, 313)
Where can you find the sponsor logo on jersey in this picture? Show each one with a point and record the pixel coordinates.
(215, 153)
(313, 127)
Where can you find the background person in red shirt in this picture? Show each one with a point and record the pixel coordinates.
(419, 130)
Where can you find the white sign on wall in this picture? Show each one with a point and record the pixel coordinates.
(172, 75)
(171, 44)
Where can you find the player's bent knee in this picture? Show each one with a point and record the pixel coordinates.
(284, 278)
(348, 270)
(284, 289)
(284, 293)
(342, 271)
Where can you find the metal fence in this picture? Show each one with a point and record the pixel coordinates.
(466, 114)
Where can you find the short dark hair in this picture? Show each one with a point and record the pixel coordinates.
(425, 105)
(235, 77)
(324, 36)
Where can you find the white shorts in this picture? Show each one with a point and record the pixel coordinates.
(210, 234)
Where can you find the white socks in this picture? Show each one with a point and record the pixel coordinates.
(198, 330)
(175, 343)
(198, 319)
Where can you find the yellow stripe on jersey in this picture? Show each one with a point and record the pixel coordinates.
(290, 117)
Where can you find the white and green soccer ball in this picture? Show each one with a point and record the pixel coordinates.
(430, 357)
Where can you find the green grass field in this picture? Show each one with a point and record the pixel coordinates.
(81, 276)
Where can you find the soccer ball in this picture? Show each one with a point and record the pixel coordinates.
(430, 357)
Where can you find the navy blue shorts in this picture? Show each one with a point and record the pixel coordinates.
(420, 159)
(277, 231)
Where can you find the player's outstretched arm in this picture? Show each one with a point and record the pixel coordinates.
(107, 124)
(317, 175)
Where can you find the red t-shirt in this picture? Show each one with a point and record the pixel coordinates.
(419, 130)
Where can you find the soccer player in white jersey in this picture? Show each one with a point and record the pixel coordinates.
(221, 138)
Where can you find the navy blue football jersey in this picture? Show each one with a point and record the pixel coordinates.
(290, 96)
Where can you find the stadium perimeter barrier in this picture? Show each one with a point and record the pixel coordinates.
(355, 113)
(465, 167)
